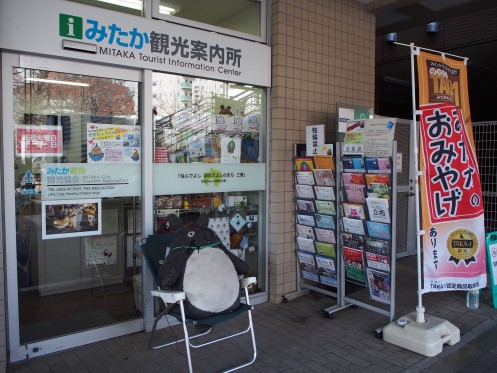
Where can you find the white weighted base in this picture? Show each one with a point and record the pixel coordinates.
(425, 338)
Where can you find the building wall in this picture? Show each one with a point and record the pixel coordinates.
(323, 53)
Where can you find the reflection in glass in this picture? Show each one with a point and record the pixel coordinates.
(75, 231)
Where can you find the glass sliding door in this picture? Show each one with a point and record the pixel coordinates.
(77, 150)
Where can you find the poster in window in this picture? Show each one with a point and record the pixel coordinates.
(71, 218)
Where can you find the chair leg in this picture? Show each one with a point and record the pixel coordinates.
(187, 341)
(154, 329)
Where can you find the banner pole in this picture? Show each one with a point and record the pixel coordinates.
(419, 309)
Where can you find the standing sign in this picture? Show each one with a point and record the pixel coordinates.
(451, 199)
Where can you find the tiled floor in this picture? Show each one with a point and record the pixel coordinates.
(295, 337)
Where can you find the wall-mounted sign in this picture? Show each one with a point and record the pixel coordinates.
(82, 32)
(89, 180)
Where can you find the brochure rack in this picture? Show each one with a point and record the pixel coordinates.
(316, 223)
(365, 231)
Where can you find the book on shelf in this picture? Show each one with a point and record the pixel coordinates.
(353, 211)
(325, 249)
(324, 193)
(325, 207)
(353, 226)
(378, 209)
(323, 177)
(304, 164)
(304, 191)
(379, 285)
(305, 231)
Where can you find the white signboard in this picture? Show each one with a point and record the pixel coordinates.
(314, 138)
(89, 180)
(181, 178)
(66, 29)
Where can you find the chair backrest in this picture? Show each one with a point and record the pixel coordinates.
(154, 250)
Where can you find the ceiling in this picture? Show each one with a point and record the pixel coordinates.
(467, 28)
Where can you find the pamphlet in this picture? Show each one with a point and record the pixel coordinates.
(379, 285)
(353, 211)
(353, 241)
(306, 220)
(325, 235)
(305, 205)
(305, 231)
(378, 230)
(325, 207)
(305, 177)
(304, 164)
(324, 177)
(354, 264)
(306, 244)
(350, 178)
(378, 209)
(324, 161)
(324, 193)
(304, 191)
(325, 221)
(326, 249)
(354, 226)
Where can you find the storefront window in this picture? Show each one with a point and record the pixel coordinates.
(77, 182)
(209, 160)
(124, 6)
(236, 17)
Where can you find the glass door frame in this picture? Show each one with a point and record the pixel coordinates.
(17, 351)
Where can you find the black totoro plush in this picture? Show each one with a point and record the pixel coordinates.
(203, 268)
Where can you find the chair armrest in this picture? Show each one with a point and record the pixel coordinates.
(246, 282)
(169, 296)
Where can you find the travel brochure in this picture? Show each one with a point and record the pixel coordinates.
(304, 164)
(324, 161)
(325, 235)
(324, 193)
(351, 178)
(354, 264)
(325, 221)
(305, 231)
(355, 193)
(378, 209)
(379, 285)
(304, 191)
(325, 249)
(305, 205)
(305, 177)
(378, 230)
(306, 244)
(353, 241)
(324, 177)
(354, 226)
(306, 220)
(353, 211)
(325, 207)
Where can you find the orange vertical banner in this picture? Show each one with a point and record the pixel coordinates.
(450, 188)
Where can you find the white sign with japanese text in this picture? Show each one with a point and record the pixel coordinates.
(65, 29)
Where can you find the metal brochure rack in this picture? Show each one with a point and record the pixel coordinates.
(346, 300)
(317, 259)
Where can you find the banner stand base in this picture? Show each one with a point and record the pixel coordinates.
(425, 338)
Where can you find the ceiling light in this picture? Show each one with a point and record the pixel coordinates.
(391, 38)
(432, 28)
(169, 9)
(56, 82)
(133, 4)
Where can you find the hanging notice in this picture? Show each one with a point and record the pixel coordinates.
(112, 143)
(378, 137)
(101, 250)
(451, 199)
(90, 180)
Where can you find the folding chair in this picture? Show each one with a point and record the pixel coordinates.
(154, 250)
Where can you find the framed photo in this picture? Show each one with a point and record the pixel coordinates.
(71, 218)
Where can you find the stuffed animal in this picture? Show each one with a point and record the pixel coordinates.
(201, 266)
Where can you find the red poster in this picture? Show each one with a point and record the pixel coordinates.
(38, 141)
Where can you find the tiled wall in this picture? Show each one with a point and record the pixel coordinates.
(322, 54)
